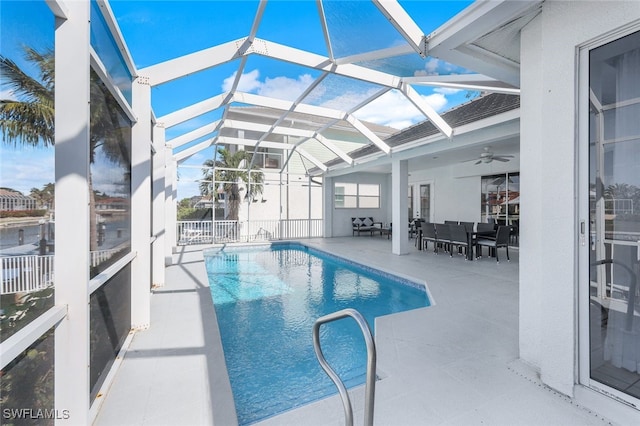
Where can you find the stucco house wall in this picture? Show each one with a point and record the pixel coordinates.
(549, 186)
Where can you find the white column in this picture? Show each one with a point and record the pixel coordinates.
(170, 212)
(141, 205)
(159, 225)
(71, 261)
(399, 208)
(327, 207)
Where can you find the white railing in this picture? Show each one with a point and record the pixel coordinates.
(24, 274)
(206, 232)
(99, 256)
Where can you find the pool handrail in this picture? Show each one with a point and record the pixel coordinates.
(371, 364)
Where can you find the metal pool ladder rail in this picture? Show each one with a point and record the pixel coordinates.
(370, 387)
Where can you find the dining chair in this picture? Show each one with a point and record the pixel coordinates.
(459, 238)
(429, 234)
(501, 240)
(443, 236)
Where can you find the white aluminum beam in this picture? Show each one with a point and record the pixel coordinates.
(325, 29)
(480, 88)
(257, 127)
(256, 21)
(58, 8)
(192, 111)
(186, 153)
(193, 62)
(193, 135)
(427, 110)
(267, 144)
(311, 158)
(322, 63)
(388, 52)
(329, 144)
(404, 24)
(112, 23)
(359, 126)
(249, 98)
(101, 70)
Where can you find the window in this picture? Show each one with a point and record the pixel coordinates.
(356, 195)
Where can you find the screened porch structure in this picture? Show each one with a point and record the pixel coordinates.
(383, 92)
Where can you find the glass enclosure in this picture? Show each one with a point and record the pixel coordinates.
(614, 193)
(110, 196)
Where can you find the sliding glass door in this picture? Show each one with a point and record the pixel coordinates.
(613, 239)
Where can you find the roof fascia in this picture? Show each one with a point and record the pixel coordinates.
(475, 21)
(404, 24)
(449, 40)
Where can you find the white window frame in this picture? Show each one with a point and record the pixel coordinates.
(358, 196)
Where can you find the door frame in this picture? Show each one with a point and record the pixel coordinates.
(584, 238)
(416, 198)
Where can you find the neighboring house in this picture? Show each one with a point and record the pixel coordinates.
(15, 200)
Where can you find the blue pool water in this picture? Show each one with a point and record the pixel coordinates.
(266, 301)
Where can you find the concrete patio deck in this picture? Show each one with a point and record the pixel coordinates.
(454, 363)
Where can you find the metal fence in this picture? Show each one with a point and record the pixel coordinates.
(206, 232)
(24, 274)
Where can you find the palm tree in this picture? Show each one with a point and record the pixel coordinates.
(30, 118)
(231, 180)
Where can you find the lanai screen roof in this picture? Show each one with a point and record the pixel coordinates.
(317, 78)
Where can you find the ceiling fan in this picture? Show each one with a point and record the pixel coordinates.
(487, 157)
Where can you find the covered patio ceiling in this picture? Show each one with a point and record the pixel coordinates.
(370, 52)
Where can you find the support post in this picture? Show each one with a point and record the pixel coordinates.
(158, 212)
(327, 207)
(71, 263)
(170, 211)
(399, 209)
(140, 205)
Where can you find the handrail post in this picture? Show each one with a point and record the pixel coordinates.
(371, 364)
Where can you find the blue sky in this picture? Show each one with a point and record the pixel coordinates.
(156, 31)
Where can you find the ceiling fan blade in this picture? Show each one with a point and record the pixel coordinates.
(502, 159)
(477, 162)
(466, 161)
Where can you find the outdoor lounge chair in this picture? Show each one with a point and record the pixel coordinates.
(364, 224)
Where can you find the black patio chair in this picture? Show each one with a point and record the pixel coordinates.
(443, 236)
(429, 234)
(459, 238)
(501, 240)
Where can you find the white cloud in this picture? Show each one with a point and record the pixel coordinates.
(447, 90)
(248, 82)
(394, 110)
(285, 88)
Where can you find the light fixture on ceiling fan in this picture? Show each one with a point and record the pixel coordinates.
(487, 157)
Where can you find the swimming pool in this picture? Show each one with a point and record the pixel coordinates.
(267, 299)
